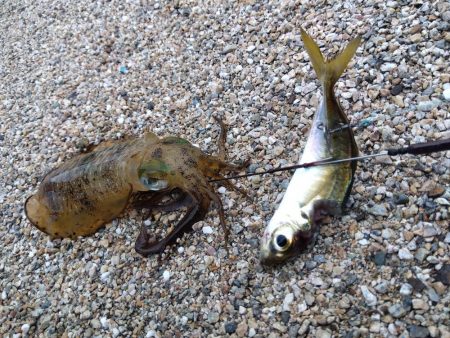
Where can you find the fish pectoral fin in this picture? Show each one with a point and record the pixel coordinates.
(324, 208)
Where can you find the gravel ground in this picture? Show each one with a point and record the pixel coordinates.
(82, 72)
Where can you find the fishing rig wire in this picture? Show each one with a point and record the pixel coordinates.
(414, 149)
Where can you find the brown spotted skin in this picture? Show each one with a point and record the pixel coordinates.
(84, 193)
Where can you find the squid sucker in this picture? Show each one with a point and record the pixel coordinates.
(315, 192)
(159, 174)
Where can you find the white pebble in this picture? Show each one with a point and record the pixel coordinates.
(25, 328)
(120, 120)
(406, 289)
(370, 298)
(222, 190)
(302, 307)
(104, 322)
(447, 94)
(405, 254)
(288, 299)
(180, 249)
(207, 230)
(166, 275)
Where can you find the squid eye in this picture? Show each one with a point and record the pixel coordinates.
(153, 183)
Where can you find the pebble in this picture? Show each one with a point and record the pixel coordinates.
(405, 254)
(288, 299)
(230, 327)
(322, 333)
(371, 299)
(378, 210)
(401, 199)
(446, 94)
(207, 230)
(242, 329)
(416, 331)
(406, 289)
(380, 258)
(25, 328)
(166, 275)
(397, 310)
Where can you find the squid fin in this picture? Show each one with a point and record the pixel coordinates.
(329, 71)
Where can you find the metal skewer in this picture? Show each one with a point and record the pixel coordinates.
(415, 149)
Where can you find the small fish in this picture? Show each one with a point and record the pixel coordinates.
(316, 192)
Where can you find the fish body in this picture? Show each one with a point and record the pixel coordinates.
(315, 192)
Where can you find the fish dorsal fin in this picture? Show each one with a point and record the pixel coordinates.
(329, 71)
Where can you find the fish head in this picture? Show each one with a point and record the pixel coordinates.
(286, 240)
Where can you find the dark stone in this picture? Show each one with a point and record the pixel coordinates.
(379, 258)
(416, 283)
(401, 199)
(293, 330)
(285, 316)
(230, 327)
(150, 105)
(417, 331)
(397, 89)
(443, 275)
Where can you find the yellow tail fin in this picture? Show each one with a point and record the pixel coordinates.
(329, 71)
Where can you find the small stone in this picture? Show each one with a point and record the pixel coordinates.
(387, 233)
(285, 317)
(416, 38)
(321, 333)
(406, 289)
(288, 299)
(419, 304)
(437, 191)
(304, 327)
(401, 199)
(213, 317)
(397, 89)
(442, 201)
(416, 331)
(95, 323)
(371, 299)
(421, 254)
(207, 230)
(443, 275)
(446, 94)
(387, 67)
(166, 275)
(115, 260)
(405, 254)
(25, 328)
(426, 106)
(302, 307)
(242, 329)
(382, 287)
(379, 258)
(378, 210)
(429, 231)
(416, 283)
(397, 310)
(123, 69)
(230, 327)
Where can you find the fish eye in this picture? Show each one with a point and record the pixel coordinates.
(281, 242)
